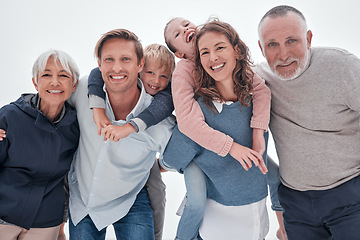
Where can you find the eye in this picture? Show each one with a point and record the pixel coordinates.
(108, 59)
(203, 53)
(187, 24)
(126, 59)
(150, 72)
(176, 35)
(64, 76)
(164, 76)
(292, 40)
(272, 44)
(46, 75)
(220, 48)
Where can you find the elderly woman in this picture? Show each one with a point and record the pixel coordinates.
(42, 135)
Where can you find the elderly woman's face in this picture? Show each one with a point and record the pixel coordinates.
(54, 85)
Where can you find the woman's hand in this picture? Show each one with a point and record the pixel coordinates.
(246, 155)
(2, 134)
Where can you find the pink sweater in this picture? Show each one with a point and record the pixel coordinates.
(191, 120)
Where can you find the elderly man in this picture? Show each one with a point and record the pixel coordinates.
(315, 124)
(107, 178)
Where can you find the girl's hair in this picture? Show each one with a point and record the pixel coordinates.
(62, 57)
(167, 40)
(242, 74)
(161, 55)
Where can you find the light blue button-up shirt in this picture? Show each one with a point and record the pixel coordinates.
(106, 176)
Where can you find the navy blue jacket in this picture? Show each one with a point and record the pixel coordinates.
(34, 158)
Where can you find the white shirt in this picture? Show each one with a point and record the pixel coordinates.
(250, 222)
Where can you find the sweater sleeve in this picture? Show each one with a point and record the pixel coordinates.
(189, 116)
(95, 86)
(261, 104)
(160, 108)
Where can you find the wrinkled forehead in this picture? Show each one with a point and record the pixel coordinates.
(289, 24)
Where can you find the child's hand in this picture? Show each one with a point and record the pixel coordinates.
(100, 119)
(258, 141)
(2, 134)
(246, 155)
(115, 133)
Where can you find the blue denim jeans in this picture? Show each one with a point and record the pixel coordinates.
(273, 179)
(195, 204)
(328, 214)
(137, 224)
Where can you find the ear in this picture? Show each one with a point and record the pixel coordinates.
(237, 52)
(75, 85)
(179, 54)
(35, 84)
(141, 65)
(308, 38)
(99, 64)
(261, 48)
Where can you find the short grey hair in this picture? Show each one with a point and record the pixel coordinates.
(281, 11)
(65, 60)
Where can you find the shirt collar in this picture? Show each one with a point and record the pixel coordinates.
(136, 110)
(219, 104)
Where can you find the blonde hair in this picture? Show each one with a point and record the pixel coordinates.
(160, 54)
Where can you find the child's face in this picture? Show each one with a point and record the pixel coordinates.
(154, 77)
(180, 34)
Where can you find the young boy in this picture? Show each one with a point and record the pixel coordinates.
(156, 74)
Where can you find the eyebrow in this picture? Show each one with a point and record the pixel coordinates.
(217, 44)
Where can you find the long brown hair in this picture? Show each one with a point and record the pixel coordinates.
(242, 74)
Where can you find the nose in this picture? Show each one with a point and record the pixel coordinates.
(117, 67)
(55, 81)
(283, 53)
(156, 79)
(213, 56)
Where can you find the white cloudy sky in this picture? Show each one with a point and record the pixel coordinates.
(28, 28)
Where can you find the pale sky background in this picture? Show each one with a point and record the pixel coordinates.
(28, 28)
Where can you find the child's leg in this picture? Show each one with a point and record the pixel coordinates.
(193, 213)
(156, 191)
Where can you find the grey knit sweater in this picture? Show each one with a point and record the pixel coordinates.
(315, 120)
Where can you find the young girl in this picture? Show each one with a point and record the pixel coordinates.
(236, 195)
(179, 35)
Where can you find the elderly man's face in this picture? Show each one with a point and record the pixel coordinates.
(54, 85)
(119, 65)
(285, 44)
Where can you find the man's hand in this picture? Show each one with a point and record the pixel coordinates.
(115, 133)
(246, 155)
(100, 119)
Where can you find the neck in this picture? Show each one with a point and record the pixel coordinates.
(123, 104)
(51, 111)
(226, 90)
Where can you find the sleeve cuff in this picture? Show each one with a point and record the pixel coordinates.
(138, 124)
(96, 102)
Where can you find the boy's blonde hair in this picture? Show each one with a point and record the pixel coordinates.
(160, 54)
